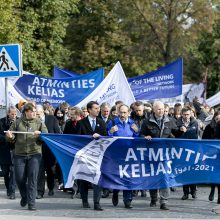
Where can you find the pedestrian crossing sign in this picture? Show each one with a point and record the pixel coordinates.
(10, 60)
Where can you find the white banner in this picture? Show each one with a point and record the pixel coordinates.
(113, 88)
(214, 100)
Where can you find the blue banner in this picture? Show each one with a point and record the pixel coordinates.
(61, 73)
(136, 163)
(71, 90)
(165, 82)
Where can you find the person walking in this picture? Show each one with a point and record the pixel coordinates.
(159, 125)
(27, 153)
(123, 126)
(6, 153)
(91, 125)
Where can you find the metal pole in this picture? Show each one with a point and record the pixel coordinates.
(6, 95)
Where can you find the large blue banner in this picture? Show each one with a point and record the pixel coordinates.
(136, 163)
(163, 83)
(71, 89)
(61, 73)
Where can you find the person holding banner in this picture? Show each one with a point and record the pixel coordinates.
(25, 133)
(211, 132)
(91, 125)
(217, 136)
(189, 129)
(159, 126)
(123, 126)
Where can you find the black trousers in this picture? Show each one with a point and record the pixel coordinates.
(50, 170)
(26, 172)
(9, 178)
(84, 188)
(189, 189)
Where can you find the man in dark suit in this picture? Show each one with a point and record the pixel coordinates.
(48, 160)
(91, 125)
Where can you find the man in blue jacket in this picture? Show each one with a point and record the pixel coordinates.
(123, 126)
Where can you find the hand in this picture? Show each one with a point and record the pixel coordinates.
(96, 135)
(36, 134)
(183, 129)
(148, 137)
(135, 128)
(114, 129)
(9, 134)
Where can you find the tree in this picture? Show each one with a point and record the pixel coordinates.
(8, 21)
(207, 54)
(41, 32)
(174, 23)
(143, 34)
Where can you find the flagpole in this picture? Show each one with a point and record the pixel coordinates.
(20, 132)
(6, 95)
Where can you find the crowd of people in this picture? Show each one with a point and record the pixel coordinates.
(25, 158)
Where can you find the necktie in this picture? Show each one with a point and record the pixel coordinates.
(93, 125)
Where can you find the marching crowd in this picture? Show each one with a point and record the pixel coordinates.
(25, 158)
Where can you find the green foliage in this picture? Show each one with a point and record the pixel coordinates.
(207, 54)
(8, 21)
(41, 32)
(142, 34)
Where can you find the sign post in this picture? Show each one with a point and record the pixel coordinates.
(10, 64)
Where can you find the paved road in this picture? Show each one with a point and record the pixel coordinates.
(61, 206)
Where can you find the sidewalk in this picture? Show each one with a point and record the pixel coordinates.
(61, 206)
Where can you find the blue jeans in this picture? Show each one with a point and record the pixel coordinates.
(26, 172)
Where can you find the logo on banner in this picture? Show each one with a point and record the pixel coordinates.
(6, 63)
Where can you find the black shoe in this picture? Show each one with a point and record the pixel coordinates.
(12, 196)
(135, 193)
(153, 204)
(194, 196)
(115, 199)
(164, 207)
(8, 193)
(143, 193)
(128, 205)
(211, 196)
(218, 201)
(39, 196)
(32, 208)
(23, 202)
(97, 207)
(185, 197)
(51, 192)
(105, 194)
(86, 205)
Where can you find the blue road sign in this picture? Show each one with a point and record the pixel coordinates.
(10, 60)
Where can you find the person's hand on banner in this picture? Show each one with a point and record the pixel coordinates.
(114, 129)
(36, 134)
(96, 135)
(9, 134)
(148, 137)
(135, 128)
(183, 129)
